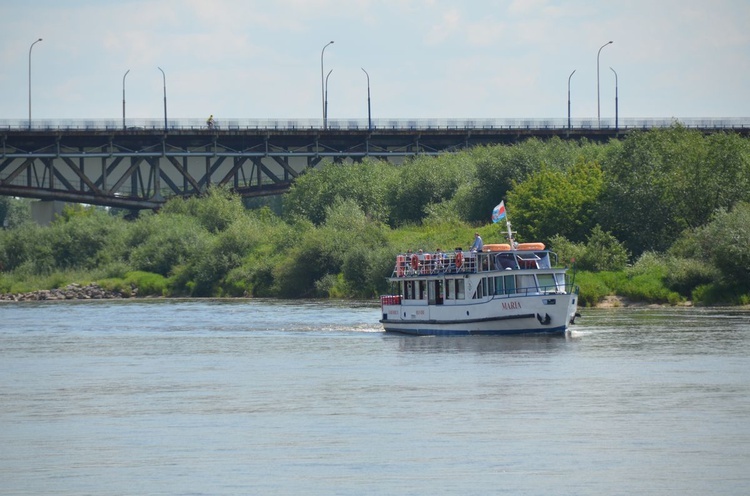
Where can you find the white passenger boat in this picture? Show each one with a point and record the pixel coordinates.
(504, 289)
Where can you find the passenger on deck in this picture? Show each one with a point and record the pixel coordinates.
(478, 243)
(441, 260)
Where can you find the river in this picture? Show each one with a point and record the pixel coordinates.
(290, 398)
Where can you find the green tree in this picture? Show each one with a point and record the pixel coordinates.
(603, 252)
(365, 183)
(552, 201)
(159, 243)
(660, 182)
(215, 211)
(424, 181)
(725, 243)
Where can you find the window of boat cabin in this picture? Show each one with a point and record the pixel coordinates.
(510, 284)
(505, 261)
(546, 282)
(527, 262)
(544, 261)
(526, 284)
(454, 289)
(560, 279)
(482, 289)
(498, 282)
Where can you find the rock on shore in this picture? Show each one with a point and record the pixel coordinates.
(70, 292)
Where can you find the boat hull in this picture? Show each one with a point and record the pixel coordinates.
(540, 314)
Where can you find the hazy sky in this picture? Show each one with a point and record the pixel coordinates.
(425, 58)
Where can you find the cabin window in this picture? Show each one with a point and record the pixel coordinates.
(527, 284)
(460, 291)
(546, 282)
(510, 284)
(544, 262)
(560, 278)
(498, 285)
(479, 293)
(505, 261)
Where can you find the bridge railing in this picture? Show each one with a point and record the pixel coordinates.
(188, 124)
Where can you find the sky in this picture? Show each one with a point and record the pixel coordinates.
(261, 59)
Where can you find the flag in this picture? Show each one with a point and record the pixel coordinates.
(498, 213)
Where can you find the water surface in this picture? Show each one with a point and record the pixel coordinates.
(269, 397)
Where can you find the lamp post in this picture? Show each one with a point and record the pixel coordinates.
(322, 83)
(123, 99)
(616, 126)
(32, 46)
(571, 75)
(164, 77)
(325, 104)
(598, 111)
(369, 114)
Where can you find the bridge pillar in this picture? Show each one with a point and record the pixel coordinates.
(43, 212)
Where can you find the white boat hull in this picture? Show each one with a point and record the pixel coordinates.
(500, 315)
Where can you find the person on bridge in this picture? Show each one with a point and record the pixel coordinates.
(210, 121)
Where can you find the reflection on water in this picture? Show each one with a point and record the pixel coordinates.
(280, 397)
(482, 344)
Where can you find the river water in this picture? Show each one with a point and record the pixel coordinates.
(290, 398)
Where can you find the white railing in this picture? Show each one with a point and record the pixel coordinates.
(384, 124)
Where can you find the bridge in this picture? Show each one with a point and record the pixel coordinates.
(140, 163)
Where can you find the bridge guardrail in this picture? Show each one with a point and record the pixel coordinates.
(377, 124)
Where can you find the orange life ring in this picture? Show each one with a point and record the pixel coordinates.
(414, 262)
(459, 259)
(400, 265)
(500, 247)
(530, 246)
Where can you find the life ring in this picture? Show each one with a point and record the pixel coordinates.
(500, 247)
(530, 246)
(400, 265)
(459, 259)
(414, 262)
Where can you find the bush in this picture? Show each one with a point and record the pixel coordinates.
(593, 288)
(161, 242)
(568, 252)
(603, 252)
(685, 274)
(148, 283)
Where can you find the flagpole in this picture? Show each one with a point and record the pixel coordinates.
(499, 213)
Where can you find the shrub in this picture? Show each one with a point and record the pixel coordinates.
(148, 283)
(162, 242)
(603, 252)
(593, 288)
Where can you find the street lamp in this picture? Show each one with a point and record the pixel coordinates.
(32, 46)
(123, 99)
(598, 112)
(164, 77)
(325, 105)
(322, 83)
(369, 115)
(616, 126)
(571, 75)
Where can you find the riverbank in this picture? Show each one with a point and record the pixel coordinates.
(71, 292)
(95, 292)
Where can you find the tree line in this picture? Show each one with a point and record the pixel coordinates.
(661, 215)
